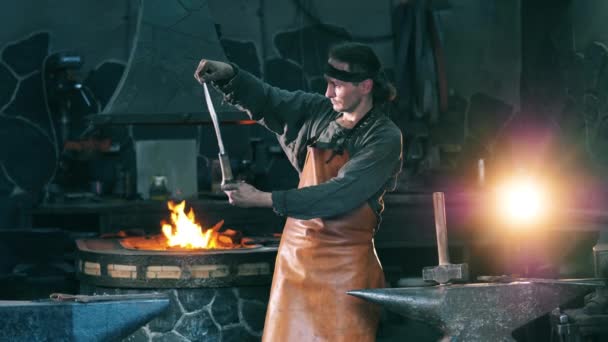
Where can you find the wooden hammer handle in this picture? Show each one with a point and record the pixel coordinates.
(441, 227)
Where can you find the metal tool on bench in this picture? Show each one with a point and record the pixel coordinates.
(227, 176)
(445, 272)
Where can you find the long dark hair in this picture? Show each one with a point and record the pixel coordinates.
(362, 59)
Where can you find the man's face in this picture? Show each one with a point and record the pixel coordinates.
(344, 96)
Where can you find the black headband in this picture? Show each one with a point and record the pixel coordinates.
(347, 76)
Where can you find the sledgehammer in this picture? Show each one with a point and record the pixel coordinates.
(445, 272)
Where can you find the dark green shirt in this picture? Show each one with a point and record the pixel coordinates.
(299, 119)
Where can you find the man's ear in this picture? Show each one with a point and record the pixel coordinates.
(366, 85)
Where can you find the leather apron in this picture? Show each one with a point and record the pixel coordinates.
(318, 261)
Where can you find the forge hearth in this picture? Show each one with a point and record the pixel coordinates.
(216, 295)
(107, 262)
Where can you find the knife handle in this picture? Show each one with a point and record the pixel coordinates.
(226, 169)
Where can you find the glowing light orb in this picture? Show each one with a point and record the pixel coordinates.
(522, 201)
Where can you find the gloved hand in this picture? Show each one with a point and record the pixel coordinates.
(208, 71)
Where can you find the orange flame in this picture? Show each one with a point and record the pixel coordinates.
(186, 232)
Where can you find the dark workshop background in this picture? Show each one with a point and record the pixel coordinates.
(503, 81)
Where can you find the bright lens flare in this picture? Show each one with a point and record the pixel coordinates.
(521, 201)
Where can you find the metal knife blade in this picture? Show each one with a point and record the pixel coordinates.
(227, 176)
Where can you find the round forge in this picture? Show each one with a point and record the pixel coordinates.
(106, 262)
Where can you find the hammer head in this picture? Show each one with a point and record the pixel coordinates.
(446, 273)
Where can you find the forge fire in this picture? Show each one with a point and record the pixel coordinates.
(184, 232)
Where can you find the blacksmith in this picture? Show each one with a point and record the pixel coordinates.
(348, 153)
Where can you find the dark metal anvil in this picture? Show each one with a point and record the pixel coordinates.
(478, 312)
(84, 319)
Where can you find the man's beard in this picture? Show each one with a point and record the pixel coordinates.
(351, 108)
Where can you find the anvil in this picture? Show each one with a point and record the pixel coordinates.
(91, 318)
(480, 311)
